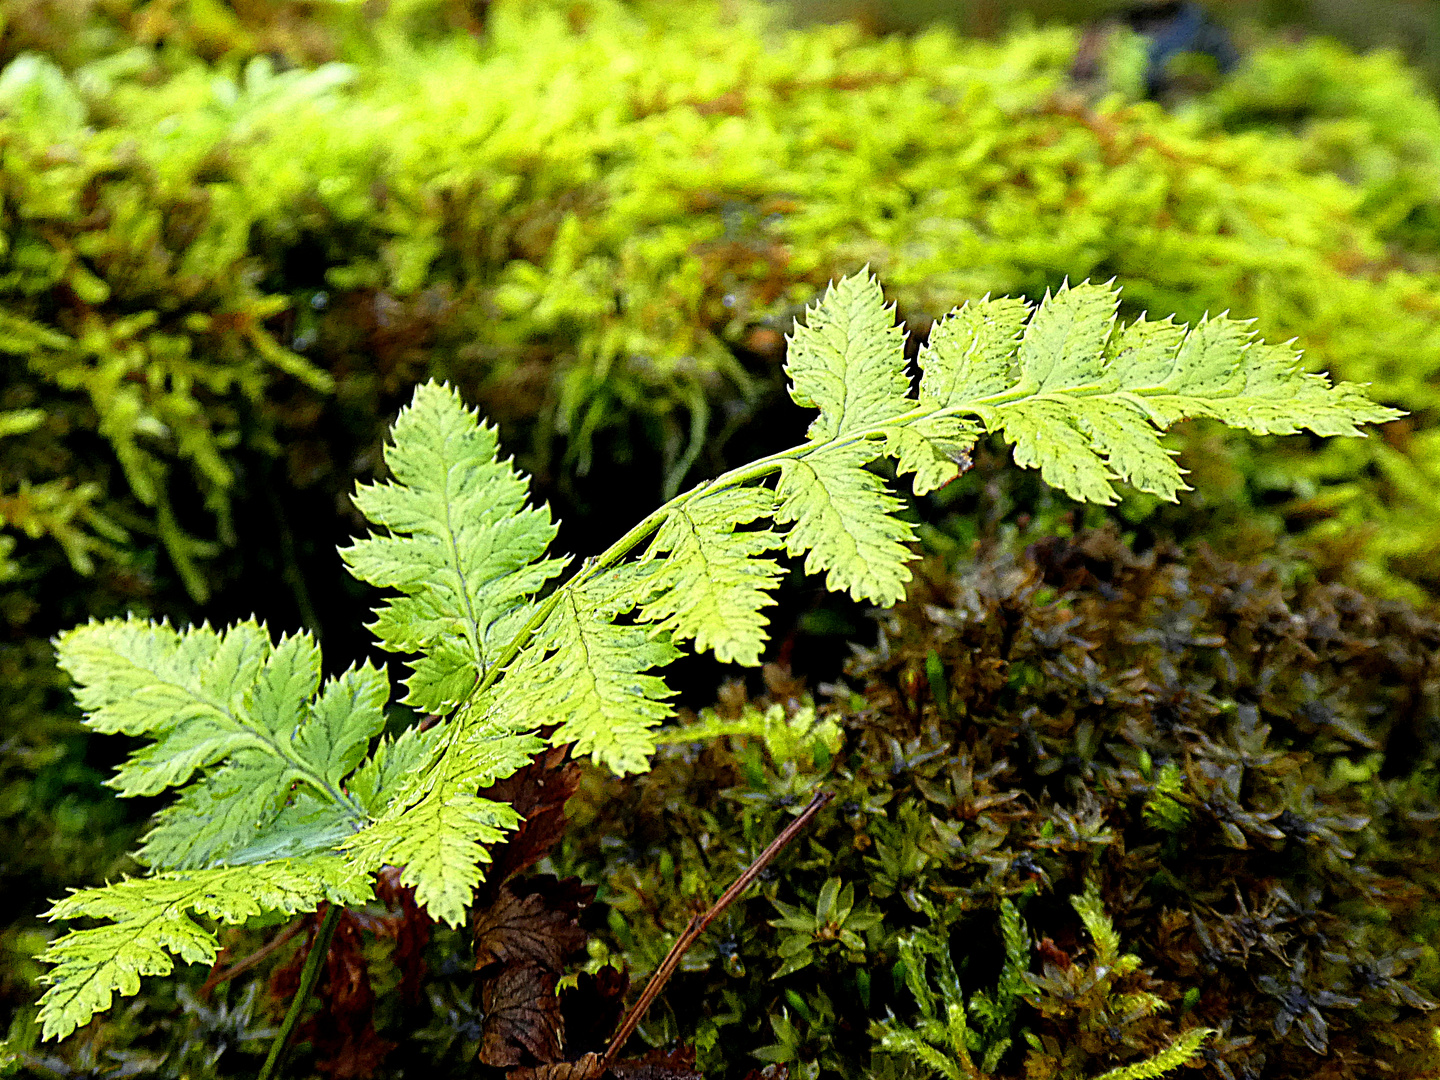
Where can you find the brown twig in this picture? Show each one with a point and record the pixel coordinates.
(217, 977)
(698, 924)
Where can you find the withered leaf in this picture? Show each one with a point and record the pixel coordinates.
(522, 1014)
(539, 792)
(587, 1068)
(537, 927)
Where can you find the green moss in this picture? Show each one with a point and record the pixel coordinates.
(604, 238)
(1097, 812)
(1130, 812)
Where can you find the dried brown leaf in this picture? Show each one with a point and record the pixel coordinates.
(538, 792)
(537, 927)
(522, 1015)
(587, 1068)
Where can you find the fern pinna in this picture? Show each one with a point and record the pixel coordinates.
(286, 798)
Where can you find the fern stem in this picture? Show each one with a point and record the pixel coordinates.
(743, 474)
(309, 976)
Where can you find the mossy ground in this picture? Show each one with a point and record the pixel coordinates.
(221, 275)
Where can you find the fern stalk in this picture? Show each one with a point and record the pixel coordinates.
(758, 469)
(309, 976)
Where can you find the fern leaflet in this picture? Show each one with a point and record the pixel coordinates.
(154, 918)
(462, 548)
(436, 826)
(717, 580)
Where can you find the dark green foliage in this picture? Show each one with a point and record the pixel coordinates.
(1089, 803)
(1243, 768)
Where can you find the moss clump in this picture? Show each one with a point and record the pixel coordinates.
(1098, 813)
(1127, 795)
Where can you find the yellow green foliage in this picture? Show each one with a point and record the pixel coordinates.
(603, 217)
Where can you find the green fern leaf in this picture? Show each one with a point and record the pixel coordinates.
(1063, 347)
(711, 582)
(566, 665)
(935, 448)
(845, 523)
(218, 817)
(152, 920)
(463, 548)
(1085, 403)
(1047, 436)
(1219, 370)
(436, 827)
(442, 844)
(848, 360)
(134, 677)
(348, 714)
(378, 782)
(588, 674)
(971, 351)
(244, 714)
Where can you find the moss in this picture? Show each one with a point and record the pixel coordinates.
(1232, 775)
(1094, 809)
(605, 241)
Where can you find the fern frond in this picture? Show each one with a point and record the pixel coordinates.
(436, 827)
(845, 522)
(153, 920)
(711, 581)
(381, 781)
(1084, 403)
(243, 713)
(935, 448)
(462, 547)
(589, 674)
(970, 351)
(847, 360)
(1058, 381)
(273, 766)
(218, 817)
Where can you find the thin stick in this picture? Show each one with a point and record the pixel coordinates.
(217, 976)
(309, 976)
(698, 924)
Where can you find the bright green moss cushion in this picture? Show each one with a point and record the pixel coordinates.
(601, 223)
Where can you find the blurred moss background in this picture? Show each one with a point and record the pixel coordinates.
(1410, 26)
